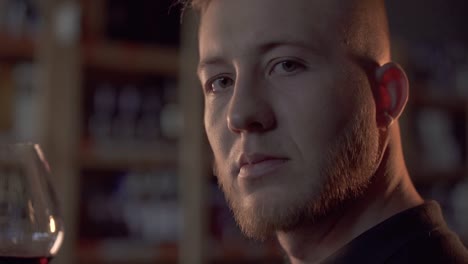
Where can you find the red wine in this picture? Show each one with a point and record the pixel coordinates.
(21, 260)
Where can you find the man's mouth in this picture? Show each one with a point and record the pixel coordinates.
(252, 166)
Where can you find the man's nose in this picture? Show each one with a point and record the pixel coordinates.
(250, 111)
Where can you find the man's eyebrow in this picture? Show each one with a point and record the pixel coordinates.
(261, 50)
(264, 48)
(203, 64)
(290, 42)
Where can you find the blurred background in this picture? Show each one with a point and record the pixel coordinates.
(108, 88)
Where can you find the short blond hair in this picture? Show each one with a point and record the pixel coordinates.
(368, 27)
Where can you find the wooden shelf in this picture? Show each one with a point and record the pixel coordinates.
(136, 161)
(126, 252)
(131, 58)
(448, 103)
(121, 158)
(122, 164)
(21, 48)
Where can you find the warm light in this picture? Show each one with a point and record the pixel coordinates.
(52, 225)
(58, 242)
(31, 211)
(41, 156)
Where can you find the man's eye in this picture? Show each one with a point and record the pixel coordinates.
(219, 84)
(287, 67)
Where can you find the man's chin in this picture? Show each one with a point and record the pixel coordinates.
(254, 225)
(260, 219)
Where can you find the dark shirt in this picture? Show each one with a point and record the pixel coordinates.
(416, 235)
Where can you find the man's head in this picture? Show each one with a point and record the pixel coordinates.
(297, 104)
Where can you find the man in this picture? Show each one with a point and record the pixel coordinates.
(301, 111)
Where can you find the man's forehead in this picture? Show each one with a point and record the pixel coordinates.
(358, 26)
(242, 24)
(237, 12)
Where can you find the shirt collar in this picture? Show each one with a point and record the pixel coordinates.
(377, 244)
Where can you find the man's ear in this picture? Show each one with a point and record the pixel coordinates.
(392, 93)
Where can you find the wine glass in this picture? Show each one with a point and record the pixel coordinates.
(31, 227)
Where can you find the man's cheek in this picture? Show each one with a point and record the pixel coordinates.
(221, 147)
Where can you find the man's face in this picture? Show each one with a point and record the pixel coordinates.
(289, 114)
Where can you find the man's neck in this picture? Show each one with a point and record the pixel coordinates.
(390, 192)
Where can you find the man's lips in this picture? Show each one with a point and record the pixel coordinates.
(257, 165)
